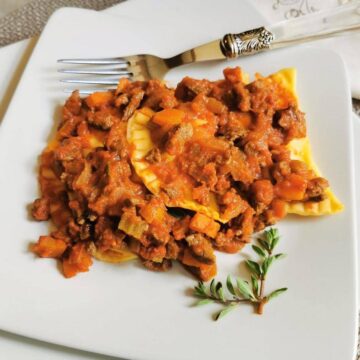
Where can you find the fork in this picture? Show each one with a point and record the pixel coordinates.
(105, 75)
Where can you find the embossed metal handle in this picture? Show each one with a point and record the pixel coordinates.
(246, 43)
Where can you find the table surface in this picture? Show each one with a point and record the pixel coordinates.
(9, 5)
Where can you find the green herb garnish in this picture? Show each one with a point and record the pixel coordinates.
(242, 291)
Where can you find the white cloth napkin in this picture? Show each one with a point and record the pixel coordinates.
(347, 46)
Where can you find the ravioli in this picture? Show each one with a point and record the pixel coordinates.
(114, 255)
(139, 136)
(300, 149)
(231, 151)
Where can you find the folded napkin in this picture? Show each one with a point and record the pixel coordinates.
(347, 46)
(30, 19)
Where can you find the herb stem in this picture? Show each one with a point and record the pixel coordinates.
(262, 300)
(231, 302)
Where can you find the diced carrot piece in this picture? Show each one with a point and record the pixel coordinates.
(189, 260)
(204, 224)
(215, 106)
(213, 229)
(292, 188)
(49, 247)
(204, 271)
(279, 208)
(207, 272)
(99, 99)
(80, 257)
(181, 227)
(78, 261)
(69, 270)
(168, 117)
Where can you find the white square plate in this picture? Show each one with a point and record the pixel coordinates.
(127, 311)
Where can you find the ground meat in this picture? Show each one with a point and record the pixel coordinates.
(201, 248)
(117, 139)
(69, 149)
(74, 103)
(218, 151)
(292, 122)
(256, 146)
(68, 127)
(101, 118)
(280, 170)
(238, 167)
(123, 85)
(201, 194)
(243, 97)
(172, 250)
(121, 100)
(134, 103)
(188, 88)
(41, 209)
(316, 188)
(177, 138)
(158, 96)
(236, 126)
(154, 156)
(153, 253)
(232, 205)
(165, 265)
(280, 153)
(263, 192)
(227, 241)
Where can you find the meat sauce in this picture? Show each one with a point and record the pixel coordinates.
(228, 141)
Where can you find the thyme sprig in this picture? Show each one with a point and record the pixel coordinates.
(242, 291)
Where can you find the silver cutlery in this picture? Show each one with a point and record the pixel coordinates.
(104, 73)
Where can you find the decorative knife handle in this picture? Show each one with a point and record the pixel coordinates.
(344, 19)
(246, 43)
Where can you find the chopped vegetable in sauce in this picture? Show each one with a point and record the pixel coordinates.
(168, 174)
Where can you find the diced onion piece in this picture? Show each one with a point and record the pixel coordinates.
(132, 225)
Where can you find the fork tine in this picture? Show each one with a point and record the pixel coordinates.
(87, 91)
(99, 61)
(97, 71)
(92, 81)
